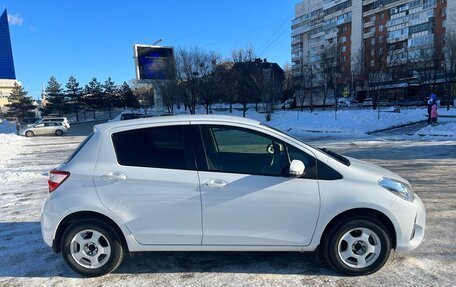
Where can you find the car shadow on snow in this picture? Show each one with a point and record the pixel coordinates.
(24, 254)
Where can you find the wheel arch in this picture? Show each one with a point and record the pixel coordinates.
(366, 213)
(85, 215)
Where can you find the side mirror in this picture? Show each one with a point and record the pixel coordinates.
(297, 168)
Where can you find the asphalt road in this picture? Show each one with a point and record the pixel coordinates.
(430, 167)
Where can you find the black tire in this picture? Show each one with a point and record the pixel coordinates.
(330, 248)
(58, 132)
(111, 238)
(29, 134)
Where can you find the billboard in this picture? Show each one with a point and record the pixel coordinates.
(153, 62)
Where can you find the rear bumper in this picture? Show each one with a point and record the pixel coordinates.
(51, 214)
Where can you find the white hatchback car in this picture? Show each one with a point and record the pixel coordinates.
(217, 183)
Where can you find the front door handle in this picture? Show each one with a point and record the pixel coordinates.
(114, 176)
(215, 183)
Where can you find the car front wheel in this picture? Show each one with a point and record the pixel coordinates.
(58, 132)
(357, 246)
(91, 248)
(29, 134)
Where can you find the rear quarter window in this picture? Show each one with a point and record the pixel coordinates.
(158, 147)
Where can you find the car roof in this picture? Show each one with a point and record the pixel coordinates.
(175, 118)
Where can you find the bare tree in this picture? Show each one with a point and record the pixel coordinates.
(226, 84)
(376, 71)
(401, 67)
(289, 87)
(246, 54)
(169, 89)
(145, 95)
(330, 71)
(192, 65)
(268, 83)
(308, 85)
(449, 68)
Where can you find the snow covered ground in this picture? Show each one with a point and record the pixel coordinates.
(26, 261)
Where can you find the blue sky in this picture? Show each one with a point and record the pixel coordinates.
(95, 38)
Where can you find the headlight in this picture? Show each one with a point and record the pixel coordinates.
(398, 188)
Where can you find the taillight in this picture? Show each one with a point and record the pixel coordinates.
(56, 178)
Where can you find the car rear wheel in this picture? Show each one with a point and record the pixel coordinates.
(58, 132)
(29, 134)
(357, 246)
(91, 248)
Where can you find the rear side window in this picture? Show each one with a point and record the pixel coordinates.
(160, 147)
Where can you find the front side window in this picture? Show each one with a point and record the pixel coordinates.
(238, 150)
(159, 147)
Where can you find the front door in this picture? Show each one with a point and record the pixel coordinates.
(148, 178)
(248, 197)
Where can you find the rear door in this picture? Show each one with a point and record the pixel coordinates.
(147, 177)
(248, 197)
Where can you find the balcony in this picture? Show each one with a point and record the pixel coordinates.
(397, 39)
(297, 41)
(368, 34)
(369, 24)
(300, 30)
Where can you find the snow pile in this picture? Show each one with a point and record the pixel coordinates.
(447, 130)
(11, 148)
(7, 127)
(11, 145)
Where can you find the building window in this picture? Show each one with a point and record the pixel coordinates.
(372, 41)
(344, 49)
(380, 28)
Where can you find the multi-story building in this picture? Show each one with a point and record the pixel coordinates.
(7, 73)
(367, 29)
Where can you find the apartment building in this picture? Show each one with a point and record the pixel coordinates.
(394, 29)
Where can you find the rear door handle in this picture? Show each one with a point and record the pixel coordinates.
(114, 176)
(215, 183)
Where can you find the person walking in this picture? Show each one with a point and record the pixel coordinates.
(432, 101)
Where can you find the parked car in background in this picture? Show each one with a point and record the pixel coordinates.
(62, 120)
(129, 116)
(46, 128)
(219, 183)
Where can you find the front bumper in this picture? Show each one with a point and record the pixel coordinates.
(411, 221)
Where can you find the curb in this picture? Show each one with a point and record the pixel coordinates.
(395, 127)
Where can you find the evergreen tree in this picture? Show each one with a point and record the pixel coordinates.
(73, 92)
(55, 97)
(20, 105)
(128, 99)
(110, 95)
(93, 97)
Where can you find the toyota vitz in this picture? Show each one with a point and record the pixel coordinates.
(218, 183)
